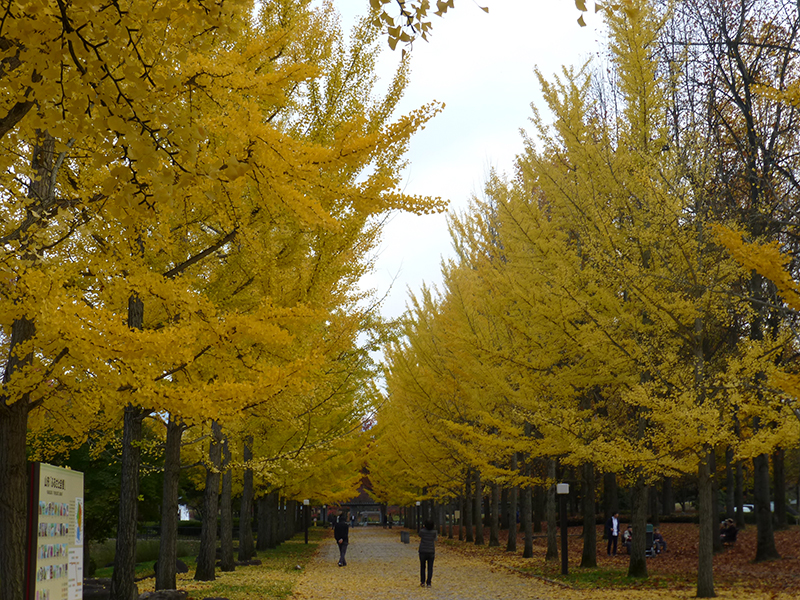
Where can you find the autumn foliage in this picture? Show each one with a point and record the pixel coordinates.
(599, 319)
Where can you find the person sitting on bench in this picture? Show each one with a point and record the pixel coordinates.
(627, 538)
(728, 532)
(659, 543)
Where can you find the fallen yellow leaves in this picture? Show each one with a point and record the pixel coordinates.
(380, 567)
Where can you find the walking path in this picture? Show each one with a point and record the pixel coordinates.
(380, 567)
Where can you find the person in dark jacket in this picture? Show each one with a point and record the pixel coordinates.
(427, 551)
(612, 533)
(341, 534)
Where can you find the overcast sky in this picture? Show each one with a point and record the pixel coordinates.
(481, 66)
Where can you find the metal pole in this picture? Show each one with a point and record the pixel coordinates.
(305, 518)
(564, 562)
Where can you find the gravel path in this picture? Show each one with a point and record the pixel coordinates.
(380, 567)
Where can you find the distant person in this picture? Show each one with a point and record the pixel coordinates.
(728, 531)
(627, 539)
(341, 533)
(659, 543)
(427, 552)
(612, 533)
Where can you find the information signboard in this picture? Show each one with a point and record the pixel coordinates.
(56, 524)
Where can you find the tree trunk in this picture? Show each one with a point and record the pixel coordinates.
(652, 498)
(246, 550)
(730, 505)
(610, 497)
(765, 538)
(504, 522)
(638, 563)
(280, 519)
(779, 483)
(283, 520)
(14, 410)
(13, 498)
(478, 498)
(589, 557)
(451, 509)
(123, 584)
(461, 517)
(494, 523)
(294, 510)
(705, 566)
(206, 559)
(273, 519)
(468, 512)
(227, 561)
(538, 508)
(168, 544)
(511, 517)
(739, 480)
(668, 497)
(712, 465)
(552, 511)
(264, 525)
(291, 511)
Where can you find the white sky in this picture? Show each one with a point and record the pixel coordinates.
(481, 66)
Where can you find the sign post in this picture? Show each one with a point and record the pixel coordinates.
(56, 529)
(305, 517)
(562, 489)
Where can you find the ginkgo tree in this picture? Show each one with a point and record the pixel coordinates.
(114, 242)
(600, 260)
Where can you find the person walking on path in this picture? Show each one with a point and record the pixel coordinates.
(612, 533)
(427, 551)
(341, 534)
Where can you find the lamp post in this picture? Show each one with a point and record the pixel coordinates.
(418, 515)
(305, 517)
(562, 490)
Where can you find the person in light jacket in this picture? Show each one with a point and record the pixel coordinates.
(341, 534)
(427, 551)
